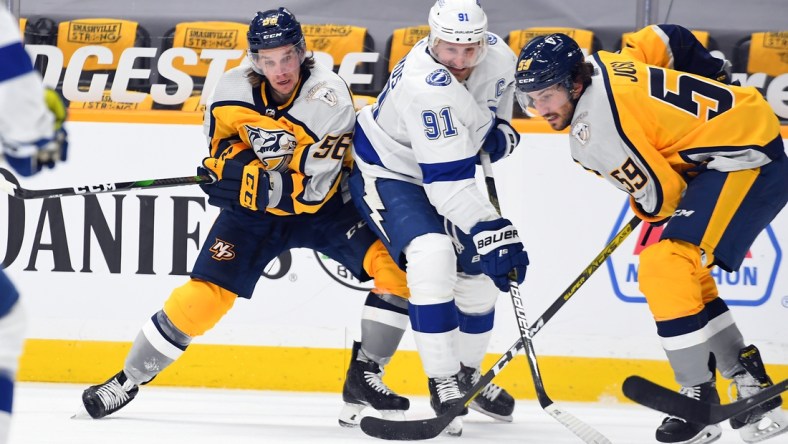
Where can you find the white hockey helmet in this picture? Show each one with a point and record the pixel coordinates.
(458, 21)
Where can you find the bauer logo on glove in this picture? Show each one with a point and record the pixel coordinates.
(510, 233)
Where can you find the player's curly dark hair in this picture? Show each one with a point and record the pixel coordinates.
(582, 73)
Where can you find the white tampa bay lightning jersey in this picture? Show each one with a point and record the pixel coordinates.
(427, 128)
(24, 117)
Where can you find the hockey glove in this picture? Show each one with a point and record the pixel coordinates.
(501, 141)
(501, 251)
(724, 75)
(237, 184)
(29, 158)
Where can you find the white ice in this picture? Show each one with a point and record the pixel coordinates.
(161, 415)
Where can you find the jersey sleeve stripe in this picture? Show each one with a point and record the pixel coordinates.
(16, 62)
(449, 171)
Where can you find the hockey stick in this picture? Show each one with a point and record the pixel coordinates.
(9, 184)
(576, 426)
(665, 400)
(600, 259)
(412, 430)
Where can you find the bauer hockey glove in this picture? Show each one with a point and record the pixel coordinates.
(501, 251)
(238, 184)
(501, 141)
(29, 158)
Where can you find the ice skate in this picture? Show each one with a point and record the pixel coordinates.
(363, 388)
(492, 400)
(444, 393)
(107, 398)
(767, 420)
(678, 431)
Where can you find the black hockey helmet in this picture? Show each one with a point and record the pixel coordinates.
(274, 28)
(545, 61)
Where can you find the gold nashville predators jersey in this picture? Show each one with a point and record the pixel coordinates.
(648, 128)
(302, 143)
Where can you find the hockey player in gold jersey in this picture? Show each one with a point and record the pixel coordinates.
(660, 121)
(279, 128)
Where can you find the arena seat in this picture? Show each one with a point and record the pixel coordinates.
(38, 31)
(703, 37)
(400, 43)
(204, 35)
(765, 52)
(586, 39)
(115, 34)
(193, 104)
(339, 40)
(108, 104)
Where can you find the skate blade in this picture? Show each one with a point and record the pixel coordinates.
(392, 415)
(492, 415)
(772, 424)
(454, 428)
(81, 413)
(350, 416)
(708, 435)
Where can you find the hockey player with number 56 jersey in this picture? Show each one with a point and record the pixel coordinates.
(415, 153)
(279, 128)
(661, 122)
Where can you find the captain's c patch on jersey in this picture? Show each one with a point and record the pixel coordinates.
(273, 147)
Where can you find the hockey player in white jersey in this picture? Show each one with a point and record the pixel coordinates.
(31, 137)
(415, 152)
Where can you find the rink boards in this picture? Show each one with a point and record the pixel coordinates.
(92, 270)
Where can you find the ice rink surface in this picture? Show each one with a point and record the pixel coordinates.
(200, 416)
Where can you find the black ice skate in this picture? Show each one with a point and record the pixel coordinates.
(107, 398)
(677, 430)
(493, 400)
(364, 387)
(444, 393)
(766, 420)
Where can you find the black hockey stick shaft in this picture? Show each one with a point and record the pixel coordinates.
(657, 397)
(10, 185)
(600, 259)
(585, 432)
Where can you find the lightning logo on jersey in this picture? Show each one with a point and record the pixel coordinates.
(273, 147)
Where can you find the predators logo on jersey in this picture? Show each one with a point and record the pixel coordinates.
(273, 147)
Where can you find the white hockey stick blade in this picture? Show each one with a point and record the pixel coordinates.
(7, 187)
(576, 426)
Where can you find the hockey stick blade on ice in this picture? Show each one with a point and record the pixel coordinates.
(583, 431)
(665, 400)
(9, 184)
(419, 429)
